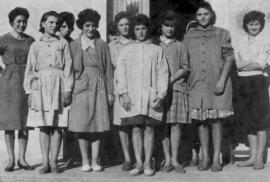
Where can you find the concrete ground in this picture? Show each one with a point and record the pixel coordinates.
(230, 173)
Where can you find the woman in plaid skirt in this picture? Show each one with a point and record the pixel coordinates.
(176, 102)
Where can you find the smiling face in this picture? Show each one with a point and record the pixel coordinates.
(123, 27)
(168, 29)
(140, 32)
(203, 17)
(19, 24)
(254, 27)
(89, 29)
(50, 25)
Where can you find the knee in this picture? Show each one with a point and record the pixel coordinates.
(136, 130)
(149, 130)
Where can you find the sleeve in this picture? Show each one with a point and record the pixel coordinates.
(263, 59)
(109, 71)
(162, 74)
(30, 71)
(113, 54)
(227, 50)
(2, 45)
(121, 72)
(68, 69)
(183, 58)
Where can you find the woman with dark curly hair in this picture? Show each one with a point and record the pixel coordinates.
(66, 25)
(210, 88)
(93, 89)
(48, 83)
(14, 47)
(253, 98)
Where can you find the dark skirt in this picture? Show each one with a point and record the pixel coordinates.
(252, 103)
(140, 120)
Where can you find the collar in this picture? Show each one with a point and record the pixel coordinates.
(123, 41)
(166, 41)
(148, 41)
(209, 28)
(86, 42)
(49, 39)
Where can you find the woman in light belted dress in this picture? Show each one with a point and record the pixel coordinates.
(122, 23)
(49, 81)
(93, 89)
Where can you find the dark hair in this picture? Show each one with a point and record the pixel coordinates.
(88, 15)
(142, 19)
(121, 15)
(68, 18)
(206, 5)
(45, 17)
(16, 12)
(111, 29)
(167, 17)
(252, 16)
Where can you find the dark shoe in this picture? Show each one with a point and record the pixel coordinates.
(55, 170)
(216, 167)
(245, 164)
(26, 167)
(258, 166)
(126, 166)
(10, 168)
(193, 163)
(179, 169)
(45, 170)
(203, 167)
(167, 168)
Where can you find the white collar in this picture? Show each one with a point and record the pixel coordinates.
(166, 40)
(86, 42)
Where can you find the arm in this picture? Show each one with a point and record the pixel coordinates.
(109, 76)
(162, 74)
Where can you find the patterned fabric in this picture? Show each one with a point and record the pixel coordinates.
(48, 75)
(202, 115)
(253, 49)
(13, 100)
(176, 108)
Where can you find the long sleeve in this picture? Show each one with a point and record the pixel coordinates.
(162, 74)
(263, 59)
(68, 69)
(30, 71)
(227, 50)
(121, 73)
(109, 71)
(183, 59)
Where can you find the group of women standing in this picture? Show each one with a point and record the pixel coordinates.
(55, 83)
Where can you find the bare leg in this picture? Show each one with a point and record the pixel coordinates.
(55, 146)
(148, 146)
(44, 137)
(10, 137)
(84, 145)
(137, 145)
(125, 144)
(204, 140)
(175, 142)
(217, 138)
(166, 147)
(261, 143)
(95, 152)
(23, 139)
(252, 140)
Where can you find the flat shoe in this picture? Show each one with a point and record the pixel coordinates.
(179, 169)
(258, 166)
(25, 167)
(135, 172)
(216, 167)
(55, 170)
(203, 167)
(44, 170)
(148, 172)
(10, 168)
(86, 168)
(126, 166)
(167, 168)
(245, 164)
(97, 168)
(193, 163)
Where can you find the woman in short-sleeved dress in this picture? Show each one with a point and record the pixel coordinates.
(210, 89)
(14, 47)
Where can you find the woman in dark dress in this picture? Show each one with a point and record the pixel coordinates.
(14, 47)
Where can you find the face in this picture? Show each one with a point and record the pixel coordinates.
(254, 27)
(50, 25)
(203, 17)
(140, 32)
(113, 37)
(168, 29)
(65, 31)
(89, 29)
(123, 27)
(19, 24)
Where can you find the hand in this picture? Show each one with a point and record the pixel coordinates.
(220, 86)
(29, 100)
(110, 99)
(126, 104)
(157, 103)
(67, 98)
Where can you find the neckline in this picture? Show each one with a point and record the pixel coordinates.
(10, 34)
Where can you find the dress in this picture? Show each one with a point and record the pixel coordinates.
(13, 100)
(115, 49)
(208, 50)
(48, 75)
(176, 101)
(142, 73)
(89, 109)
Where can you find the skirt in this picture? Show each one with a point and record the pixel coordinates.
(176, 108)
(252, 103)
